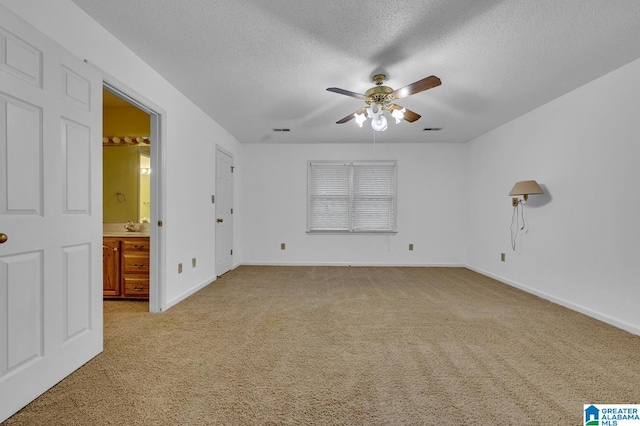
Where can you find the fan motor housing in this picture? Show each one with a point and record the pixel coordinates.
(379, 95)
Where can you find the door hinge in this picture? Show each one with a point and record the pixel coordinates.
(232, 167)
(159, 224)
(231, 211)
(231, 252)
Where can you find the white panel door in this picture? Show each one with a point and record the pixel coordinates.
(50, 213)
(224, 212)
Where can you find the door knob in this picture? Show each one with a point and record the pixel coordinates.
(3, 238)
(220, 220)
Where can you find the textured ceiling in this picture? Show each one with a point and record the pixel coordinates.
(256, 65)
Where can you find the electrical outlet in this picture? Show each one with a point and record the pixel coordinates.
(410, 247)
(282, 246)
(503, 257)
(193, 262)
(179, 268)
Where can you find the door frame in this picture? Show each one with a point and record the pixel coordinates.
(216, 254)
(157, 280)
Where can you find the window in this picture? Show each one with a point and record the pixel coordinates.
(351, 196)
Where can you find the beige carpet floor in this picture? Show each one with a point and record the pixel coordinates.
(347, 346)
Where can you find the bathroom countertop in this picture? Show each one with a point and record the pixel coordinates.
(117, 229)
(123, 234)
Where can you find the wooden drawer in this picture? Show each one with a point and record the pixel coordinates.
(135, 263)
(136, 286)
(135, 244)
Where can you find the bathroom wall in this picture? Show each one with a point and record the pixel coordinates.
(121, 176)
(125, 121)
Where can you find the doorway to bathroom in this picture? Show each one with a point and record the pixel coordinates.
(131, 195)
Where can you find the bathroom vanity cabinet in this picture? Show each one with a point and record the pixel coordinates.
(125, 267)
(110, 267)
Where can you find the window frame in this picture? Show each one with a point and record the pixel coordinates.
(351, 196)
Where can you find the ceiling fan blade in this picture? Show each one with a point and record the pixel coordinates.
(417, 87)
(347, 93)
(351, 116)
(409, 115)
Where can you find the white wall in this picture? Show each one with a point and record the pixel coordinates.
(431, 206)
(189, 140)
(582, 249)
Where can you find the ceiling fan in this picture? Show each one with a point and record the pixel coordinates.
(381, 98)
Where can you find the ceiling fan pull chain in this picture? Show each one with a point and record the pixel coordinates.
(374, 144)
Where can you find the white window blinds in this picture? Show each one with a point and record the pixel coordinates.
(351, 197)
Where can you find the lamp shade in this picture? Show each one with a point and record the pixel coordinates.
(360, 118)
(526, 187)
(379, 123)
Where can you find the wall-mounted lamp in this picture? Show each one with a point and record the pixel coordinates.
(524, 188)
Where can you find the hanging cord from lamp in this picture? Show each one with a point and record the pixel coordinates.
(518, 214)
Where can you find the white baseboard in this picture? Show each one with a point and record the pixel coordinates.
(574, 307)
(188, 293)
(417, 265)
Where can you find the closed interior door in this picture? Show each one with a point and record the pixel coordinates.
(224, 212)
(50, 213)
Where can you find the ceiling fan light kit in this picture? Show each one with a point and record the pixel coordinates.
(398, 114)
(375, 113)
(379, 123)
(381, 98)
